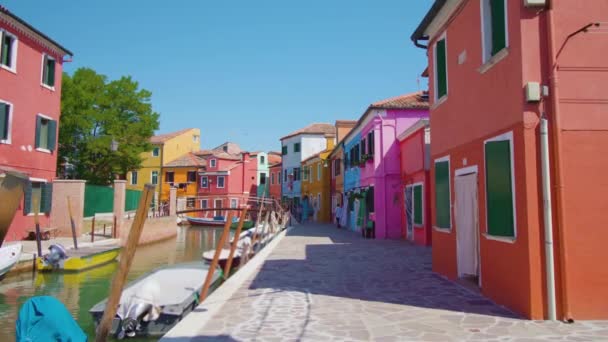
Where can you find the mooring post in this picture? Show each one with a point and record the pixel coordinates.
(37, 223)
(216, 257)
(72, 224)
(235, 242)
(93, 229)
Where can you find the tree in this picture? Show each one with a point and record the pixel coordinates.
(95, 113)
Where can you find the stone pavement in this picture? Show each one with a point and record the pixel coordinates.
(325, 284)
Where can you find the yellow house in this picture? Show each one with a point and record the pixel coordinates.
(316, 173)
(182, 174)
(166, 148)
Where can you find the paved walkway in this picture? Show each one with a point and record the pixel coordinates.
(325, 284)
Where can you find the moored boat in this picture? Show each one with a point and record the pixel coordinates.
(74, 260)
(44, 318)
(154, 303)
(218, 221)
(9, 256)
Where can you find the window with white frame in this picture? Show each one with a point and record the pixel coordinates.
(6, 118)
(441, 68)
(203, 204)
(204, 182)
(212, 162)
(46, 133)
(305, 174)
(271, 178)
(156, 152)
(262, 178)
(48, 71)
(234, 203)
(220, 182)
(133, 177)
(37, 197)
(493, 27)
(154, 177)
(8, 50)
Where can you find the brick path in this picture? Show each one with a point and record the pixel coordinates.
(325, 284)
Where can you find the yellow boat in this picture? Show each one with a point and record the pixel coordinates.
(76, 260)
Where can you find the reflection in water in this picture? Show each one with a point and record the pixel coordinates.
(80, 291)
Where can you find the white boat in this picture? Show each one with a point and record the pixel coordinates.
(9, 256)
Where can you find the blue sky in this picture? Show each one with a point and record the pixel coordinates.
(242, 70)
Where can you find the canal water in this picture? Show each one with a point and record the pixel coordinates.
(80, 291)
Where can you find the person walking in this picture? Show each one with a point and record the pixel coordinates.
(338, 214)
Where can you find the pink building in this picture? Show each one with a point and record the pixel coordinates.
(414, 148)
(30, 95)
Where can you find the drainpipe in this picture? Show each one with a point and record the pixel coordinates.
(546, 180)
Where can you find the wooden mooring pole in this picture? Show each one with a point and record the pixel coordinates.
(36, 204)
(93, 229)
(126, 258)
(235, 242)
(72, 224)
(216, 257)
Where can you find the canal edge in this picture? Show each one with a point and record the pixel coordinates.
(191, 326)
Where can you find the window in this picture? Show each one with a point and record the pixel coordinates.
(370, 143)
(285, 179)
(133, 177)
(169, 177)
(305, 174)
(195, 138)
(272, 178)
(155, 152)
(351, 158)
(279, 177)
(318, 171)
(204, 182)
(191, 176)
(494, 27)
(441, 69)
(234, 203)
(296, 174)
(8, 50)
(220, 182)
(337, 167)
(190, 202)
(212, 162)
(296, 147)
(442, 194)
(6, 111)
(262, 160)
(46, 133)
(217, 205)
(203, 204)
(48, 71)
(363, 147)
(37, 197)
(262, 178)
(418, 204)
(154, 177)
(499, 188)
(284, 151)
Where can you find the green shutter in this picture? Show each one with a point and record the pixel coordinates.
(4, 108)
(52, 136)
(499, 38)
(27, 199)
(284, 150)
(499, 190)
(418, 204)
(46, 197)
(38, 125)
(51, 63)
(442, 76)
(442, 194)
(6, 50)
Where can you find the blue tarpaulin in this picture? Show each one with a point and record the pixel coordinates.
(45, 318)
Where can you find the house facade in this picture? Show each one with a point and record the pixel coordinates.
(500, 72)
(336, 162)
(275, 171)
(414, 152)
(31, 66)
(182, 174)
(298, 146)
(316, 187)
(372, 169)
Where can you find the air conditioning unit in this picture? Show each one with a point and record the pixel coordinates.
(535, 3)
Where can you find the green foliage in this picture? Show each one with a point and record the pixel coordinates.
(95, 112)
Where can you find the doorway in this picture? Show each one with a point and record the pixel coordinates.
(409, 212)
(217, 205)
(467, 226)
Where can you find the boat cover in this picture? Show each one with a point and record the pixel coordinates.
(45, 318)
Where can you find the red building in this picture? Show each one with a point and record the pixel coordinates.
(414, 148)
(30, 95)
(227, 180)
(275, 181)
(518, 211)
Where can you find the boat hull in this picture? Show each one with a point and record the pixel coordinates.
(9, 256)
(80, 263)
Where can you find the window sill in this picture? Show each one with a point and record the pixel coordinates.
(11, 70)
(47, 87)
(500, 238)
(6, 142)
(502, 54)
(43, 150)
(439, 102)
(39, 214)
(442, 230)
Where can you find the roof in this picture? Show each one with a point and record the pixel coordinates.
(229, 147)
(188, 160)
(217, 154)
(428, 19)
(346, 123)
(315, 128)
(273, 158)
(5, 11)
(276, 153)
(318, 155)
(417, 100)
(162, 138)
(275, 165)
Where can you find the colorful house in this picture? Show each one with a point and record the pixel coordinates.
(336, 161)
(275, 171)
(372, 177)
(316, 187)
(227, 180)
(414, 152)
(30, 96)
(519, 158)
(298, 146)
(182, 174)
(166, 148)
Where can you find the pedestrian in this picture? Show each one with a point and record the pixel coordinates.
(338, 214)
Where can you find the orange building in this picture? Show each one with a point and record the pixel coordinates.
(336, 161)
(494, 67)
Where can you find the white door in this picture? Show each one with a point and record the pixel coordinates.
(467, 227)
